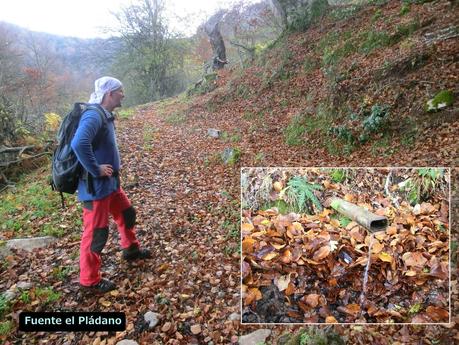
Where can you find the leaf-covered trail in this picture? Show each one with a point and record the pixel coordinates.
(186, 209)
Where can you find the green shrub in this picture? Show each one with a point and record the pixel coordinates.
(345, 12)
(377, 120)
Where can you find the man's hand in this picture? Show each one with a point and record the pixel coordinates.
(105, 170)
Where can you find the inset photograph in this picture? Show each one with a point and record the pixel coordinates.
(345, 245)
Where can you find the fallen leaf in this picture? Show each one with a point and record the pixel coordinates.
(437, 314)
(248, 227)
(282, 282)
(312, 300)
(253, 295)
(330, 319)
(414, 259)
(386, 257)
(247, 245)
(321, 253)
(195, 329)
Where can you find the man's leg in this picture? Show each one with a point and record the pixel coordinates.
(95, 235)
(124, 216)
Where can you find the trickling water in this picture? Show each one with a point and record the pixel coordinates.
(365, 275)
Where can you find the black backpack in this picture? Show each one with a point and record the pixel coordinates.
(66, 170)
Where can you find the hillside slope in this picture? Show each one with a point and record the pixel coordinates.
(350, 91)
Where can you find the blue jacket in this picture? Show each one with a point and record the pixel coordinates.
(94, 143)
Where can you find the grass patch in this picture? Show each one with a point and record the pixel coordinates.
(176, 118)
(148, 136)
(294, 132)
(47, 295)
(374, 40)
(6, 328)
(34, 209)
(125, 114)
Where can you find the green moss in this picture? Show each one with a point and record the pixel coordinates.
(443, 99)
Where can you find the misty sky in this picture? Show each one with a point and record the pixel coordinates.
(86, 18)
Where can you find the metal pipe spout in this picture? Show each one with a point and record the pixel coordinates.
(370, 221)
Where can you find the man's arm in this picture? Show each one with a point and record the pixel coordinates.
(90, 124)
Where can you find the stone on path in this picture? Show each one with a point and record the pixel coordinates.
(254, 338)
(151, 318)
(213, 133)
(231, 156)
(127, 342)
(234, 317)
(30, 244)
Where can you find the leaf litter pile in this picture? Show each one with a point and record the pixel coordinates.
(309, 268)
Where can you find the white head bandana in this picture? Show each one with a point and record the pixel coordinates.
(101, 87)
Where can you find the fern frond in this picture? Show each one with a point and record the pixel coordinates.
(301, 191)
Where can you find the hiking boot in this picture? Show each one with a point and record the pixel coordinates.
(135, 253)
(103, 286)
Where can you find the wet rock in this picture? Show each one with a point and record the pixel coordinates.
(254, 338)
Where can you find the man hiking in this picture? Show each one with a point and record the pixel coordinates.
(99, 188)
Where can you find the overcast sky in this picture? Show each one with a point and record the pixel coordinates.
(85, 18)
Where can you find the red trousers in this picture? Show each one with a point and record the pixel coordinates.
(95, 233)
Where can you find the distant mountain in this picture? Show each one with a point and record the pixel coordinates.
(86, 56)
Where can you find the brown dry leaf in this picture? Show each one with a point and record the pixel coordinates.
(414, 259)
(247, 245)
(282, 282)
(195, 329)
(270, 256)
(410, 273)
(335, 223)
(349, 197)
(252, 295)
(391, 230)
(312, 300)
(321, 253)
(290, 289)
(386, 257)
(247, 227)
(257, 220)
(278, 186)
(377, 247)
(350, 309)
(163, 268)
(166, 327)
(437, 314)
(286, 256)
(104, 302)
(330, 319)
(246, 270)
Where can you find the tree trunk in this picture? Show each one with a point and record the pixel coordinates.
(280, 11)
(216, 40)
